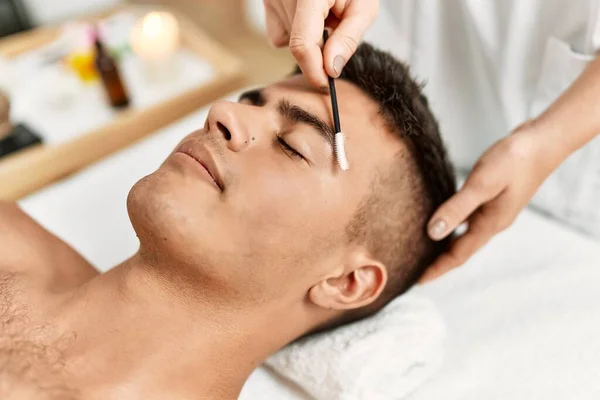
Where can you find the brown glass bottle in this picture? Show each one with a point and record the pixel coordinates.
(109, 74)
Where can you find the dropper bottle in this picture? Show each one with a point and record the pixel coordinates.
(109, 75)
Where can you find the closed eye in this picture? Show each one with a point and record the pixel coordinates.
(289, 150)
(256, 97)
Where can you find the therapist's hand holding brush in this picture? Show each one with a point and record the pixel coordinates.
(299, 25)
(508, 174)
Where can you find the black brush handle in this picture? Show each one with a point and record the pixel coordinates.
(333, 94)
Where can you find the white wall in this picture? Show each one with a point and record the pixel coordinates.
(51, 11)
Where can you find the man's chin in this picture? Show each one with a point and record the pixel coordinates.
(171, 235)
(166, 210)
(170, 188)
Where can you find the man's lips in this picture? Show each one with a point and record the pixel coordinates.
(200, 153)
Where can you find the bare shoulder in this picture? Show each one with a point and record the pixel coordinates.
(28, 248)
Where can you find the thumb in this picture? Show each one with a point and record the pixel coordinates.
(344, 40)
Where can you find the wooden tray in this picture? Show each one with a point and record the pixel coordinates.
(28, 170)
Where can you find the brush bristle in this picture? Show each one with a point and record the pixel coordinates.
(340, 151)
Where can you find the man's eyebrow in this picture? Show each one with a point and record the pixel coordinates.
(256, 97)
(297, 114)
(291, 112)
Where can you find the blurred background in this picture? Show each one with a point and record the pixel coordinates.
(236, 24)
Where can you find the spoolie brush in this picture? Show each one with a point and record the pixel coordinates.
(339, 139)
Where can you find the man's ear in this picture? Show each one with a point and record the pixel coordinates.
(358, 283)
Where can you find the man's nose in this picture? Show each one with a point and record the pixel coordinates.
(235, 122)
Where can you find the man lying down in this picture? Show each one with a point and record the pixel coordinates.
(250, 237)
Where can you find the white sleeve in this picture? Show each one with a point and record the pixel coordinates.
(595, 25)
(393, 27)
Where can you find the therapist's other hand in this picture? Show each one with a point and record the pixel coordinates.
(299, 24)
(500, 185)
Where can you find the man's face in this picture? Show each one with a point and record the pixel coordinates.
(273, 224)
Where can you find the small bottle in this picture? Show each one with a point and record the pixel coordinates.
(109, 74)
(5, 125)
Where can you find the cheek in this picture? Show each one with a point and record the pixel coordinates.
(273, 201)
(282, 215)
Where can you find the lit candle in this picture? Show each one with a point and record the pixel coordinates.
(155, 39)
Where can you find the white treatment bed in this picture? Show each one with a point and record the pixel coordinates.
(523, 316)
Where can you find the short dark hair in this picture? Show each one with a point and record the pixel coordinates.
(391, 220)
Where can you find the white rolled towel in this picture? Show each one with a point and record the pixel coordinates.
(384, 357)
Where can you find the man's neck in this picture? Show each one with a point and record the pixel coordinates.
(141, 333)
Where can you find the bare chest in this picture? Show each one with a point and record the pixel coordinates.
(31, 354)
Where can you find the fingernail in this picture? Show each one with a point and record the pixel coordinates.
(437, 228)
(338, 65)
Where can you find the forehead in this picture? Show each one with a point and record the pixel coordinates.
(368, 141)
